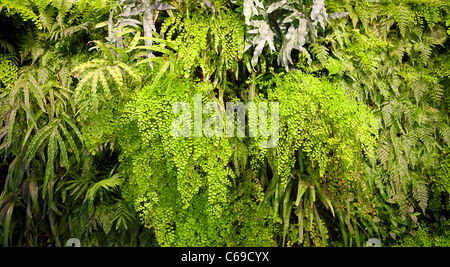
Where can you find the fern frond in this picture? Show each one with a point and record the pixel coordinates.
(364, 13)
(71, 142)
(51, 154)
(402, 14)
(82, 83)
(444, 130)
(62, 151)
(387, 112)
(67, 119)
(321, 52)
(399, 50)
(108, 184)
(419, 87)
(104, 83)
(92, 64)
(383, 153)
(39, 137)
(36, 90)
(123, 214)
(116, 74)
(46, 17)
(420, 192)
(425, 49)
(105, 216)
(130, 71)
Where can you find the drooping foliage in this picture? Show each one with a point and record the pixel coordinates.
(87, 91)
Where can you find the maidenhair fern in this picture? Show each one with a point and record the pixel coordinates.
(183, 187)
(8, 70)
(24, 8)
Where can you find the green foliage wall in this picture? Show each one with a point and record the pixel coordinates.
(86, 90)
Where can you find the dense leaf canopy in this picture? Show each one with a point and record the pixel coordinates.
(352, 95)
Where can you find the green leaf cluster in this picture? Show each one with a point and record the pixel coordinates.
(392, 56)
(8, 70)
(185, 188)
(52, 188)
(317, 167)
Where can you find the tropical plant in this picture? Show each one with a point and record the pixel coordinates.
(284, 26)
(317, 166)
(42, 144)
(360, 149)
(388, 54)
